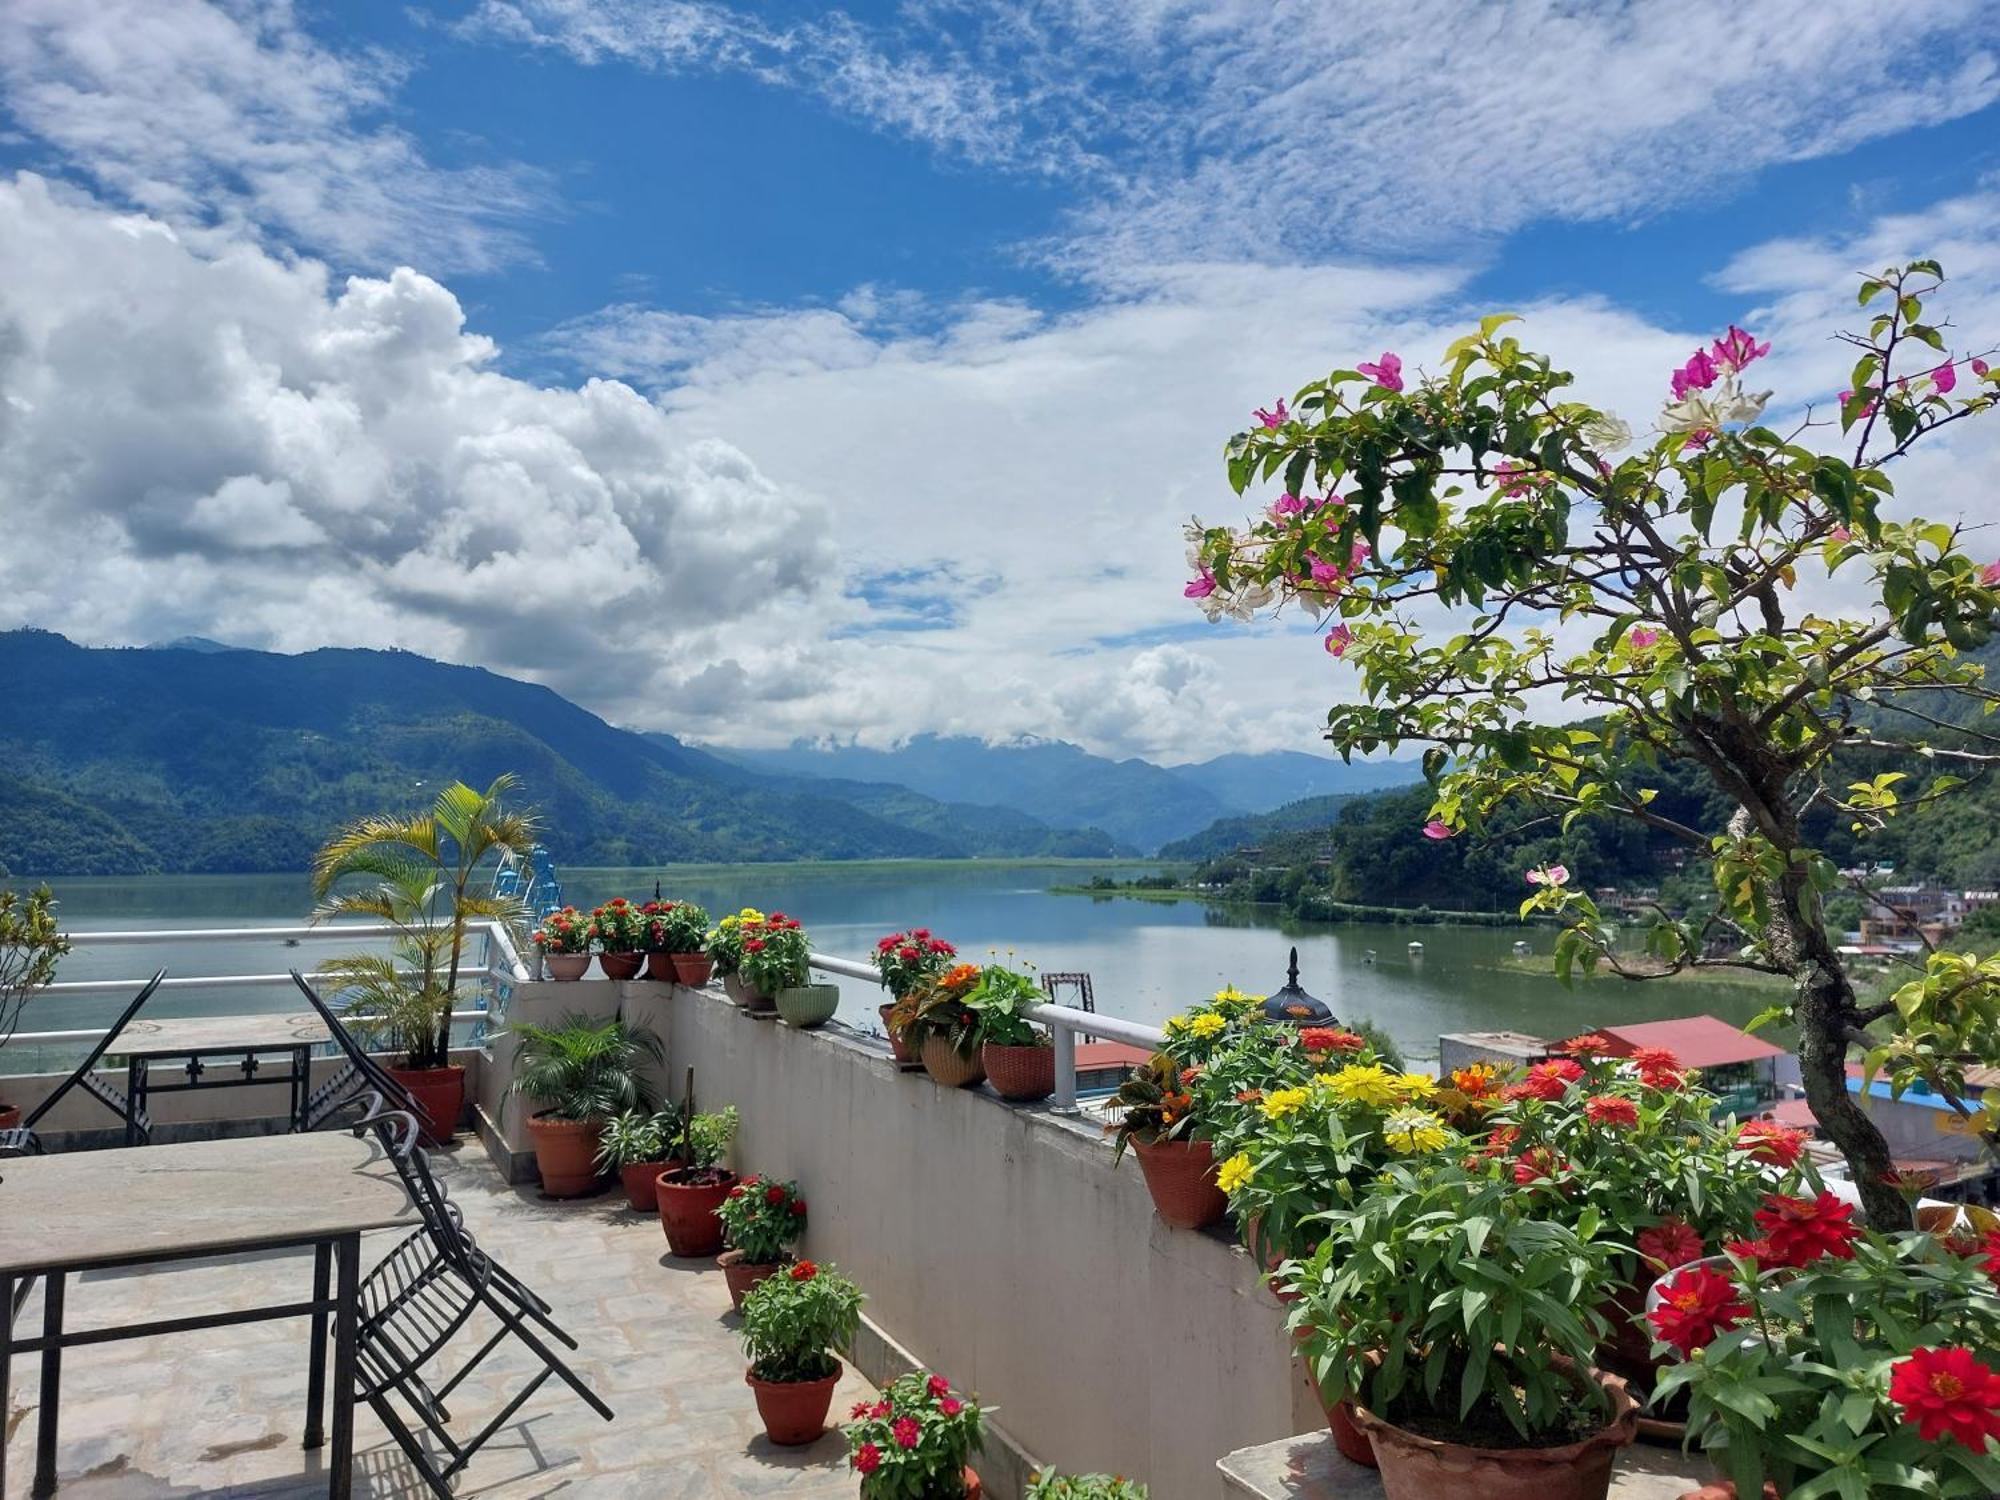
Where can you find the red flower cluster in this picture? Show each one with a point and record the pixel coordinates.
(1323, 1039)
(1537, 1164)
(1670, 1243)
(805, 1270)
(1798, 1231)
(937, 1385)
(1695, 1306)
(912, 945)
(774, 1194)
(1546, 1080)
(1659, 1068)
(1768, 1141)
(1948, 1393)
(906, 1432)
(867, 1458)
(1612, 1111)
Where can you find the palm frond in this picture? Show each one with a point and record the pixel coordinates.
(364, 836)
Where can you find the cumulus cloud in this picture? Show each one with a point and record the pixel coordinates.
(203, 438)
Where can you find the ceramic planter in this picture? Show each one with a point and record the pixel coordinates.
(808, 1005)
(753, 1000)
(566, 966)
(565, 1154)
(621, 965)
(1020, 1074)
(638, 1179)
(1419, 1468)
(693, 969)
(794, 1411)
(660, 966)
(440, 1094)
(687, 1211)
(950, 1067)
(743, 1274)
(906, 1057)
(1181, 1177)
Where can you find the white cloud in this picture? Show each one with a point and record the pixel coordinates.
(233, 114)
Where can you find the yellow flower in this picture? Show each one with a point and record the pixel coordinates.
(1174, 1025)
(1281, 1102)
(1409, 1131)
(1417, 1085)
(1207, 1024)
(1367, 1083)
(1235, 1172)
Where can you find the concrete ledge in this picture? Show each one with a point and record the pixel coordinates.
(1309, 1467)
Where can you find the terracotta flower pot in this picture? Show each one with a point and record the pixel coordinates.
(661, 966)
(743, 1274)
(1725, 1489)
(638, 1178)
(906, 1057)
(10, 1116)
(621, 965)
(1022, 1074)
(1181, 1177)
(808, 1005)
(687, 1211)
(1350, 1440)
(693, 969)
(1420, 1468)
(734, 987)
(565, 1154)
(794, 1411)
(566, 966)
(440, 1093)
(950, 1067)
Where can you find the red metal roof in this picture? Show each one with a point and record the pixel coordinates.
(1698, 1041)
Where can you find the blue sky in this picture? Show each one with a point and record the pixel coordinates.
(796, 370)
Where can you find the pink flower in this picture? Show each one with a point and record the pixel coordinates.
(1287, 505)
(1437, 829)
(1643, 637)
(1199, 587)
(1386, 372)
(1698, 374)
(1866, 411)
(1841, 534)
(1357, 557)
(1324, 571)
(1990, 575)
(1699, 439)
(1552, 876)
(1275, 418)
(1945, 377)
(1338, 640)
(1980, 367)
(1514, 473)
(1735, 349)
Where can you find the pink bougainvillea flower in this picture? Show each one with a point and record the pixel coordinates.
(1200, 587)
(1437, 829)
(1274, 418)
(1866, 411)
(1386, 372)
(1287, 504)
(1699, 439)
(1512, 475)
(1338, 640)
(1324, 571)
(1735, 349)
(1980, 367)
(1990, 575)
(1945, 378)
(1551, 875)
(1357, 557)
(1698, 374)
(1643, 637)
(1841, 534)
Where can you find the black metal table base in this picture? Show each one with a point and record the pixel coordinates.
(235, 1067)
(338, 1254)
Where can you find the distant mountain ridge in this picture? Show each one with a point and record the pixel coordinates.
(189, 758)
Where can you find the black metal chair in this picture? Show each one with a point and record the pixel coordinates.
(356, 1078)
(418, 1299)
(21, 1140)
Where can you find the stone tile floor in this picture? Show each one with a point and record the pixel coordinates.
(219, 1413)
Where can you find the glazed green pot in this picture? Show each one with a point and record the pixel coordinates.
(806, 1005)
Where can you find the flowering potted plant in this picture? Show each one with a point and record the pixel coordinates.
(1822, 1360)
(936, 1022)
(1049, 1485)
(724, 945)
(564, 940)
(620, 934)
(653, 940)
(690, 1194)
(634, 1144)
(1018, 1056)
(686, 932)
(760, 1222)
(792, 1324)
(1462, 1326)
(916, 1442)
(584, 1071)
(908, 961)
(30, 948)
(778, 962)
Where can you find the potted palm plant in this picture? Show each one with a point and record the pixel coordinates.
(937, 1024)
(620, 935)
(584, 1071)
(563, 937)
(634, 1144)
(1019, 1056)
(792, 1324)
(427, 875)
(760, 1221)
(916, 1442)
(908, 961)
(690, 1194)
(30, 948)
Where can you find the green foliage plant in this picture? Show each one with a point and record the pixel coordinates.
(1000, 998)
(637, 1135)
(584, 1069)
(1049, 1485)
(797, 1319)
(31, 945)
(763, 1219)
(676, 926)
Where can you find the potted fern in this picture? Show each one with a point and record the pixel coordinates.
(584, 1071)
(634, 1145)
(690, 1194)
(792, 1324)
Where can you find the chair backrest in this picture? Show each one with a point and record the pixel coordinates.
(81, 1077)
(399, 1133)
(376, 1077)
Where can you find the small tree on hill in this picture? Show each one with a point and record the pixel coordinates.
(1501, 562)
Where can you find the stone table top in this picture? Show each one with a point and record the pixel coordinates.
(173, 1035)
(84, 1208)
(1309, 1467)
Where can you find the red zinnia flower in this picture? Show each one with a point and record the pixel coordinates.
(879, 1410)
(1989, 1254)
(1757, 1251)
(858, 1410)
(1547, 1080)
(805, 1270)
(868, 1458)
(774, 1194)
(1249, 1096)
(754, 945)
(920, 932)
(905, 1432)
(1609, 1109)
(951, 1406)
(1696, 1305)
(1500, 1140)
(1767, 1140)
(1670, 1243)
(1659, 1067)
(939, 1386)
(1590, 1044)
(1801, 1230)
(798, 1208)
(888, 942)
(907, 955)
(939, 945)
(1948, 1393)
(737, 1191)
(1535, 1164)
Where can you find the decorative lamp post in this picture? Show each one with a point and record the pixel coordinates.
(1292, 1006)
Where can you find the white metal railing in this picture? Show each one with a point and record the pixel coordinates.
(1065, 1024)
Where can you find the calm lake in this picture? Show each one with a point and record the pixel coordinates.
(1147, 958)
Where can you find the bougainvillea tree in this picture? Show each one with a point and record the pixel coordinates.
(1553, 607)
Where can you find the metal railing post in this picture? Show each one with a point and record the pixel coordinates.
(1065, 1041)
